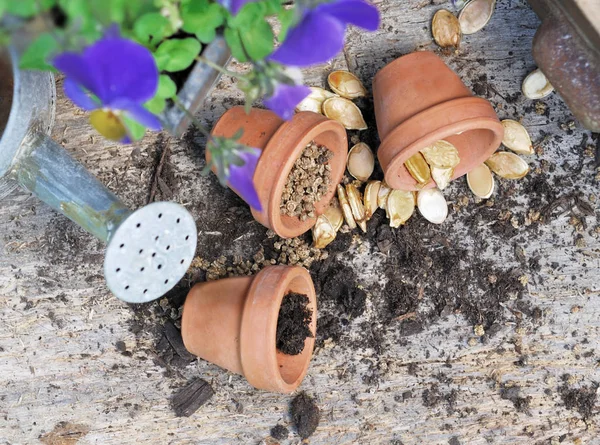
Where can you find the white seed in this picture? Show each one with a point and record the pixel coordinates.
(475, 15)
(536, 86)
(481, 181)
(356, 205)
(335, 216)
(516, 137)
(314, 101)
(346, 209)
(345, 112)
(441, 154)
(370, 198)
(446, 29)
(323, 232)
(382, 195)
(346, 84)
(442, 176)
(508, 165)
(432, 205)
(400, 207)
(361, 162)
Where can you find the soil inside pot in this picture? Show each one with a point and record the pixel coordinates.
(293, 324)
(308, 182)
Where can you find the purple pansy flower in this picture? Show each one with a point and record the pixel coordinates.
(285, 99)
(319, 36)
(241, 177)
(234, 5)
(112, 77)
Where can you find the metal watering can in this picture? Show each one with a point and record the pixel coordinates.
(148, 250)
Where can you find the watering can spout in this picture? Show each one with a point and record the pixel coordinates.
(149, 250)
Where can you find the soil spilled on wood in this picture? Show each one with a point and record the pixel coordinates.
(305, 415)
(293, 324)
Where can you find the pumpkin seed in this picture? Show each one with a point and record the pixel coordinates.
(442, 176)
(481, 181)
(345, 112)
(418, 168)
(516, 137)
(346, 84)
(475, 15)
(335, 215)
(346, 209)
(446, 29)
(370, 198)
(441, 154)
(432, 205)
(508, 165)
(361, 162)
(356, 205)
(382, 195)
(323, 232)
(537, 86)
(400, 207)
(314, 101)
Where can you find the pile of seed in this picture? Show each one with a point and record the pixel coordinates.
(307, 183)
(293, 252)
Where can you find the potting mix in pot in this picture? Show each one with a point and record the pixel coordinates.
(163, 42)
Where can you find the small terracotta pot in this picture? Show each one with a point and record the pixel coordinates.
(420, 100)
(282, 143)
(233, 323)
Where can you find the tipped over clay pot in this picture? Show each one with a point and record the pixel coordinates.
(233, 323)
(282, 143)
(419, 100)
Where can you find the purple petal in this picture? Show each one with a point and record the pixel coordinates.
(316, 39)
(126, 68)
(241, 178)
(138, 113)
(76, 68)
(112, 32)
(286, 98)
(79, 97)
(234, 5)
(354, 12)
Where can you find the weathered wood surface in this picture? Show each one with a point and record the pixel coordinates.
(59, 362)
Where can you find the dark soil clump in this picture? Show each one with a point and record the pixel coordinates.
(582, 400)
(513, 393)
(305, 415)
(293, 324)
(279, 432)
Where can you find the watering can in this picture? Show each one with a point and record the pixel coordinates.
(148, 250)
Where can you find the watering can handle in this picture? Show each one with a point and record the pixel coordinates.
(49, 172)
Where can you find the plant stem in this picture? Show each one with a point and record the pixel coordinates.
(218, 67)
(192, 118)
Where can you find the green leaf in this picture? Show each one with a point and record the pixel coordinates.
(151, 28)
(166, 87)
(249, 15)
(27, 8)
(235, 44)
(273, 6)
(156, 105)
(258, 40)
(108, 12)
(177, 54)
(37, 54)
(202, 19)
(3, 6)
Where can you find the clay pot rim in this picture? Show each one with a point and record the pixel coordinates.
(276, 219)
(469, 124)
(267, 358)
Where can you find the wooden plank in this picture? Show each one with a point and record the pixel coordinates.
(60, 360)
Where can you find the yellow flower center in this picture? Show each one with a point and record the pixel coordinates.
(108, 124)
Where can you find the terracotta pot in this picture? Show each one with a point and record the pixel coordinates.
(420, 100)
(233, 322)
(282, 143)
